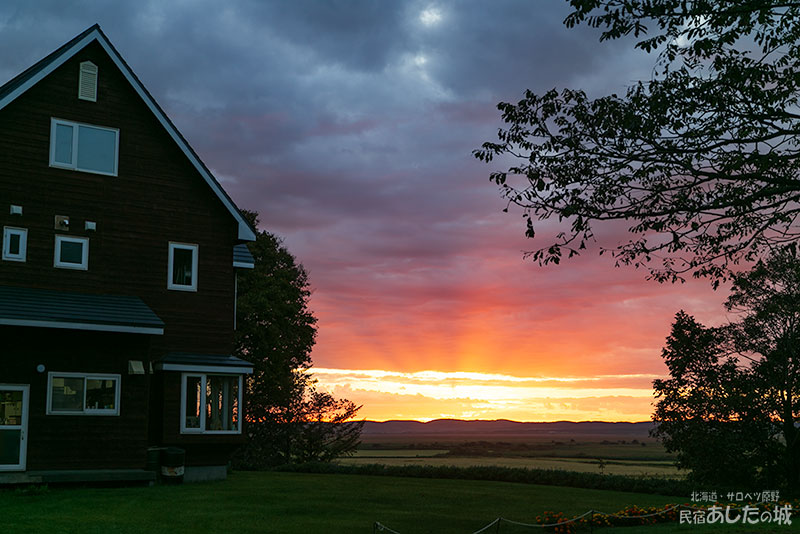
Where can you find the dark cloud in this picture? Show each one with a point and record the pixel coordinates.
(362, 35)
(349, 126)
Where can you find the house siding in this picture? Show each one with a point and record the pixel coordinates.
(157, 197)
(79, 441)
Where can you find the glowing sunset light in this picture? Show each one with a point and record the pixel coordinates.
(507, 339)
(397, 395)
(428, 376)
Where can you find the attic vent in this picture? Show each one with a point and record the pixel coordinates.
(87, 84)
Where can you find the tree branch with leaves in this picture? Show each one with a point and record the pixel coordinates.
(702, 161)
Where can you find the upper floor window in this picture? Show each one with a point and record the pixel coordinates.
(72, 252)
(83, 147)
(182, 269)
(15, 243)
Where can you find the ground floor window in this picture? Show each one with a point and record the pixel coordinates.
(82, 394)
(211, 403)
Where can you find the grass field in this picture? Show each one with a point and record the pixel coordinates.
(294, 503)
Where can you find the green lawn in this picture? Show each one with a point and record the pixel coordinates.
(308, 503)
(702, 529)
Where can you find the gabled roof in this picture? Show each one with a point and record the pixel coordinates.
(31, 76)
(44, 308)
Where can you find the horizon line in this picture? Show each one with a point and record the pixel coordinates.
(497, 421)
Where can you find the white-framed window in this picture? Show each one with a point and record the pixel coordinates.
(210, 403)
(71, 253)
(84, 147)
(182, 267)
(82, 394)
(15, 243)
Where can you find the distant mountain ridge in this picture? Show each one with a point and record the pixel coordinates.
(504, 427)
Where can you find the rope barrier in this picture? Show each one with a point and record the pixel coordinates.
(574, 519)
(490, 525)
(377, 527)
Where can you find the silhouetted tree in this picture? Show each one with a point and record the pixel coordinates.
(703, 411)
(702, 160)
(276, 331)
(327, 430)
(732, 404)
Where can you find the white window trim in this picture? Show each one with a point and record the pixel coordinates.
(23, 243)
(74, 165)
(195, 253)
(86, 376)
(23, 427)
(203, 385)
(84, 265)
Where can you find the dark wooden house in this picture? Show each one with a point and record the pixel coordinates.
(117, 278)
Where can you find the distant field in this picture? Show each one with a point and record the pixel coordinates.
(398, 453)
(609, 454)
(612, 467)
(405, 439)
(585, 446)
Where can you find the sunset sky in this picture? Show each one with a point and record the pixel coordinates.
(349, 126)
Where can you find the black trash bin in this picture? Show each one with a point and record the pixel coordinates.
(173, 460)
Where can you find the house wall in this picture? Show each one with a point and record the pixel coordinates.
(157, 197)
(79, 441)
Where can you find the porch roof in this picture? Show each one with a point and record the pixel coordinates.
(45, 308)
(203, 363)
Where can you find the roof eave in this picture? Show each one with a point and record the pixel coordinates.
(77, 325)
